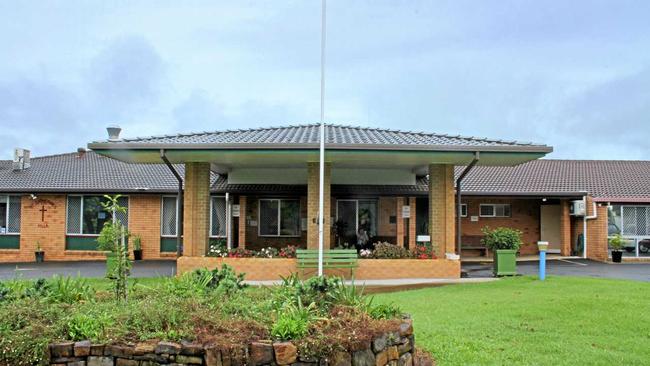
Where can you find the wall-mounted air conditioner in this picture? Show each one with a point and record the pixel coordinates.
(577, 208)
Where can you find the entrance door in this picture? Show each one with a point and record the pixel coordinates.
(550, 227)
(354, 217)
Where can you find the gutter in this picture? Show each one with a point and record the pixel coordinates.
(584, 224)
(459, 194)
(179, 203)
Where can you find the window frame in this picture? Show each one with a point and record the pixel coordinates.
(463, 207)
(162, 207)
(494, 210)
(279, 226)
(212, 221)
(8, 197)
(81, 213)
(356, 201)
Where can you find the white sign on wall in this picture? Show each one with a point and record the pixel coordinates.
(235, 210)
(473, 218)
(406, 212)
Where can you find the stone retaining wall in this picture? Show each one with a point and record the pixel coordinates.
(396, 348)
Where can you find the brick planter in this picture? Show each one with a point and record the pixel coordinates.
(267, 269)
(395, 348)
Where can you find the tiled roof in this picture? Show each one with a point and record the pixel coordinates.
(309, 135)
(88, 172)
(602, 179)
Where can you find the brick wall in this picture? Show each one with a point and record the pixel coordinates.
(565, 228)
(312, 205)
(597, 233)
(144, 220)
(196, 214)
(441, 208)
(387, 207)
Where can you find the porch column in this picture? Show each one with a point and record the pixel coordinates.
(399, 232)
(312, 205)
(565, 228)
(241, 230)
(412, 223)
(196, 201)
(441, 208)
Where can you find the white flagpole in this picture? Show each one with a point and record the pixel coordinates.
(321, 180)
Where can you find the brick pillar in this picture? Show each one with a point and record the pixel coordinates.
(565, 228)
(597, 241)
(312, 205)
(242, 223)
(412, 223)
(144, 220)
(196, 219)
(441, 208)
(400, 222)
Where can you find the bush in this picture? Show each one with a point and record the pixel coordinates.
(293, 322)
(69, 290)
(288, 252)
(501, 238)
(268, 252)
(389, 251)
(81, 326)
(217, 248)
(423, 251)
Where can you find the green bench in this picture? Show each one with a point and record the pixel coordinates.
(332, 259)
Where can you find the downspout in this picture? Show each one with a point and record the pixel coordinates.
(584, 224)
(179, 232)
(458, 198)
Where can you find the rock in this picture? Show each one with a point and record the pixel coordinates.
(379, 343)
(363, 358)
(77, 363)
(192, 360)
(66, 359)
(238, 357)
(421, 359)
(381, 358)
(405, 360)
(126, 362)
(191, 349)
(260, 353)
(406, 346)
(393, 338)
(406, 328)
(99, 361)
(144, 348)
(341, 359)
(96, 349)
(393, 354)
(213, 357)
(118, 351)
(170, 348)
(65, 349)
(81, 349)
(285, 353)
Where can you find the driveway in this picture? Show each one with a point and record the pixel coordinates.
(570, 267)
(84, 269)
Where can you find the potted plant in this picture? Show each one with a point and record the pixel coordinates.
(504, 243)
(137, 247)
(617, 242)
(39, 253)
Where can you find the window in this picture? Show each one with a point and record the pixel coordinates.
(279, 217)
(494, 210)
(9, 214)
(169, 216)
(218, 217)
(86, 216)
(463, 210)
(636, 220)
(353, 216)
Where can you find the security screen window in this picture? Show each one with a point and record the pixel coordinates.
(279, 217)
(9, 215)
(494, 210)
(87, 216)
(218, 217)
(169, 216)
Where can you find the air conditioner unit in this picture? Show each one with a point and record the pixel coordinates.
(577, 208)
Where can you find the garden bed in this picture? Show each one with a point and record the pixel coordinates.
(199, 318)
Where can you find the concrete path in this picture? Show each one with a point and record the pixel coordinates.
(570, 267)
(82, 268)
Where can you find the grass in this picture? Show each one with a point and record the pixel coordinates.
(523, 321)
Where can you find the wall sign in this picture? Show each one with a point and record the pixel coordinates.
(473, 218)
(235, 210)
(406, 212)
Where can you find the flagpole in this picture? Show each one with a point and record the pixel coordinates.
(321, 178)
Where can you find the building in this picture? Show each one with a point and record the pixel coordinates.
(259, 187)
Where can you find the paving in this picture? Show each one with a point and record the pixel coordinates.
(569, 267)
(82, 268)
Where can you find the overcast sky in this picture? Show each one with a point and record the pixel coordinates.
(571, 74)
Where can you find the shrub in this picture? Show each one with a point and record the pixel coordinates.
(617, 242)
(383, 311)
(268, 252)
(241, 253)
(501, 238)
(389, 251)
(217, 248)
(423, 251)
(68, 290)
(288, 252)
(81, 327)
(293, 322)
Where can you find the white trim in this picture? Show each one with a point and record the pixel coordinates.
(463, 205)
(7, 232)
(494, 209)
(278, 235)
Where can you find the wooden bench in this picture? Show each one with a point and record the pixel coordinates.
(473, 242)
(332, 259)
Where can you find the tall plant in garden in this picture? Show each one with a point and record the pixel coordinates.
(113, 239)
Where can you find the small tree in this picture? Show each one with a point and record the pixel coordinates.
(113, 238)
(501, 238)
(617, 242)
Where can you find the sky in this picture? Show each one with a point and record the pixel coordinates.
(571, 74)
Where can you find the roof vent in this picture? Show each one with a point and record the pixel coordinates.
(113, 132)
(80, 152)
(21, 159)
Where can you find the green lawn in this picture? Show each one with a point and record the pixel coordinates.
(522, 321)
